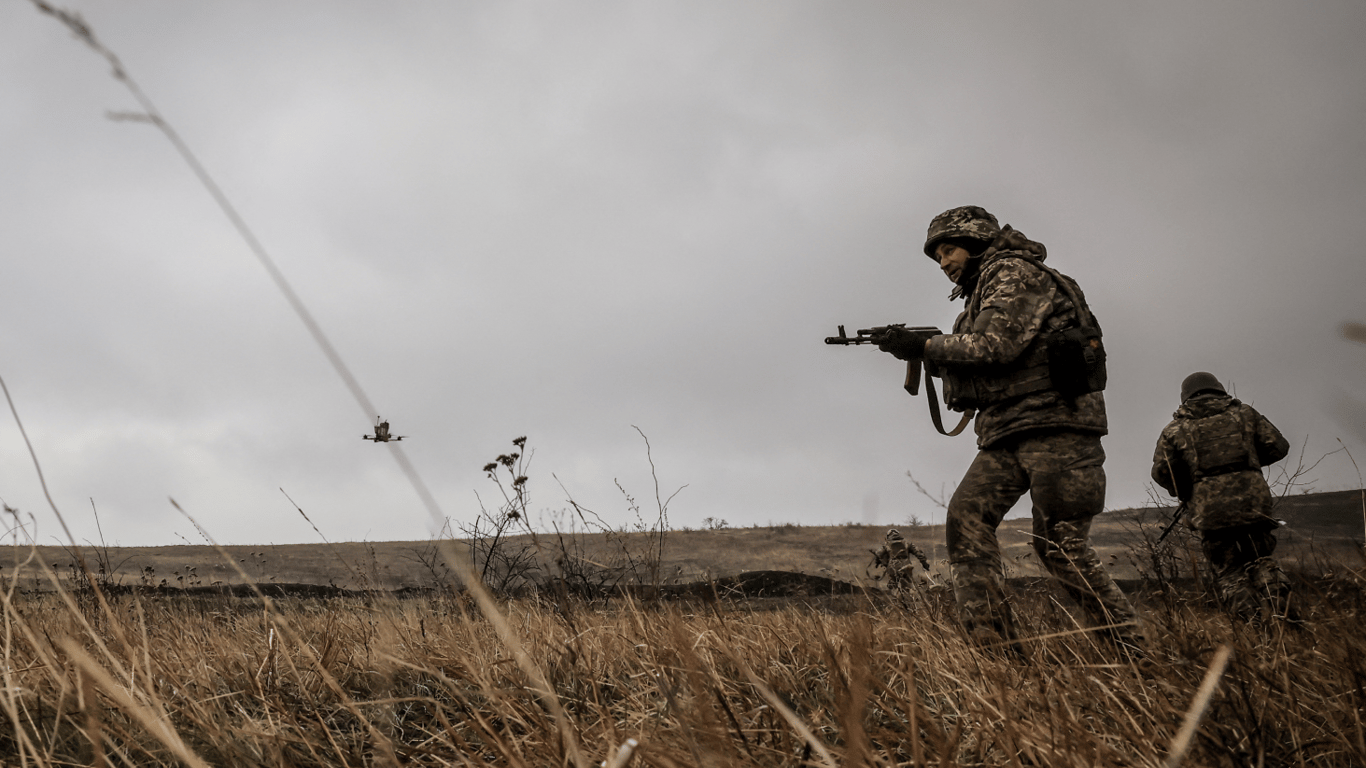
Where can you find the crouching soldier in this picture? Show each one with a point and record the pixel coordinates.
(1210, 456)
(895, 558)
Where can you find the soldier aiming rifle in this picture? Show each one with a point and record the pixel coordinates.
(1025, 356)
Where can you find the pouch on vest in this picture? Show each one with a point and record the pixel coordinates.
(984, 387)
(1221, 445)
(1076, 361)
(1070, 362)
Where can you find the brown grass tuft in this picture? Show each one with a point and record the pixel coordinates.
(850, 680)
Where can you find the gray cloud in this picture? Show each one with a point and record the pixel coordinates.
(565, 220)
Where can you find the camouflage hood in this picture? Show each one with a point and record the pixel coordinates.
(1013, 242)
(1008, 242)
(1204, 405)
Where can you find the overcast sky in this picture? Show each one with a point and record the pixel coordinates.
(566, 220)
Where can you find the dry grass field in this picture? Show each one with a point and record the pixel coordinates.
(165, 676)
(1322, 536)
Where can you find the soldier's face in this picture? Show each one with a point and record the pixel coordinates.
(952, 259)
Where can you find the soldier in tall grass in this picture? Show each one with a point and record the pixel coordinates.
(1040, 417)
(894, 557)
(1210, 456)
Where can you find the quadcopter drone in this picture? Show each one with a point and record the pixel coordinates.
(382, 433)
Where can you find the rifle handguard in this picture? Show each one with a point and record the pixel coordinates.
(913, 367)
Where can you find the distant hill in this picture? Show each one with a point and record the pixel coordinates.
(1340, 513)
(1323, 534)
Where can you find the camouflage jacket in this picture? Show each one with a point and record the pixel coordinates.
(1014, 302)
(1211, 456)
(897, 553)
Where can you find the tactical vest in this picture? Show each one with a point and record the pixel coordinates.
(1221, 444)
(896, 549)
(1069, 360)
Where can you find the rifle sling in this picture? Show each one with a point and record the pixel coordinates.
(934, 410)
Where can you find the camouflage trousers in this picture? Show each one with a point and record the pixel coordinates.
(1064, 474)
(1248, 580)
(900, 574)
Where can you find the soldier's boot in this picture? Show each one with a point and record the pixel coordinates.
(1272, 586)
(983, 609)
(1237, 595)
(1075, 565)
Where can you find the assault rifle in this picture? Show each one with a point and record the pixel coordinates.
(876, 336)
(912, 385)
(1184, 485)
(1176, 518)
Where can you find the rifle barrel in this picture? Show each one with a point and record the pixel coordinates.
(870, 335)
(1176, 518)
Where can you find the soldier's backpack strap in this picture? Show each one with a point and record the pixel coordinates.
(1076, 356)
(1069, 287)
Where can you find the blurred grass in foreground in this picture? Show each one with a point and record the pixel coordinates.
(855, 680)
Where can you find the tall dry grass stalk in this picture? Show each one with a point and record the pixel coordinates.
(176, 680)
(461, 564)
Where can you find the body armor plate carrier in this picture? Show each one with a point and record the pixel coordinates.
(1070, 361)
(1221, 445)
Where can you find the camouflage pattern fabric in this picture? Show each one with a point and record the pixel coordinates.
(1247, 578)
(1211, 455)
(898, 574)
(894, 556)
(1012, 304)
(1231, 498)
(968, 221)
(901, 549)
(1064, 474)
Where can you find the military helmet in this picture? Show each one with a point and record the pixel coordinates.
(968, 221)
(893, 534)
(1200, 382)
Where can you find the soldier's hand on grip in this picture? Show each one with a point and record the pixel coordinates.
(905, 343)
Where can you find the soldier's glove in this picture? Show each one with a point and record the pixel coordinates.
(904, 344)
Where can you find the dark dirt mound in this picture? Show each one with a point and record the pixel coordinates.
(749, 584)
(763, 584)
(270, 589)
